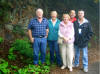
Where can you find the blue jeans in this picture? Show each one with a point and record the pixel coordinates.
(84, 58)
(39, 45)
(54, 47)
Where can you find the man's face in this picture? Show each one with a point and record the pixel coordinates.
(81, 14)
(72, 14)
(39, 13)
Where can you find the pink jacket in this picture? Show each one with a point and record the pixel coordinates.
(67, 30)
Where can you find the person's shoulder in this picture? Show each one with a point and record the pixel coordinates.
(87, 21)
(61, 23)
(75, 18)
(45, 19)
(58, 20)
(32, 19)
(75, 22)
(70, 23)
(49, 20)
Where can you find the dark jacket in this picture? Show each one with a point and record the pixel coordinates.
(81, 40)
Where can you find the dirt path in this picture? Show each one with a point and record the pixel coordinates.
(94, 65)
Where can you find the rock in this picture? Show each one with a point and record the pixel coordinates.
(9, 27)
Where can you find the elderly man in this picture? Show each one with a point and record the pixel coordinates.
(83, 33)
(38, 31)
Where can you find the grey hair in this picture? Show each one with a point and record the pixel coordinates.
(39, 9)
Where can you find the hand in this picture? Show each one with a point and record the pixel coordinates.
(46, 36)
(47, 32)
(65, 39)
(32, 40)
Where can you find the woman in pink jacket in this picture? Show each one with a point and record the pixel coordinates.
(66, 41)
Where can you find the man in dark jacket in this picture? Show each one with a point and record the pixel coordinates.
(83, 33)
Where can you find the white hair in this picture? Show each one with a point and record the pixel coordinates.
(39, 10)
(53, 12)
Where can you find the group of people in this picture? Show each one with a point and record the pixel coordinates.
(65, 38)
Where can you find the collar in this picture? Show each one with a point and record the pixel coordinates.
(55, 21)
(84, 21)
(42, 18)
(62, 23)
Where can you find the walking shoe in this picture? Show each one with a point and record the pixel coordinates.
(70, 69)
(85, 69)
(63, 67)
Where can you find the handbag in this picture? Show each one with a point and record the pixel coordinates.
(60, 40)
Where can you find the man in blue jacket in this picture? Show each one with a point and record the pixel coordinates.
(83, 33)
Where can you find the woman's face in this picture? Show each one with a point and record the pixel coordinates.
(65, 18)
(53, 15)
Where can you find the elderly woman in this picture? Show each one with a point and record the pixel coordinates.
(66, 41)
(53, 37)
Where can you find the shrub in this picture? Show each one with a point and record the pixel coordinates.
(11, 56)
(18, 30)
(5, 7)
(4, 67)
(33, 69)
(1, 39)
(23, 46)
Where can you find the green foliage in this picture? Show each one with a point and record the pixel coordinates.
(96, 1)
(23, 46)
(48, 59)
(34, 69)
(14, 67)
(4, 67)
(28, 69)
(18, 29)
(11, 56)
(89, 44)
(4, 11)
(28, 61)
(1, 39)
(95, 38)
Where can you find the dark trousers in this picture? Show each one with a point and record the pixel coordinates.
(54, 47)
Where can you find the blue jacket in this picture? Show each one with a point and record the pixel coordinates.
(53, 30)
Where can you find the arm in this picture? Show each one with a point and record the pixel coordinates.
(47, 31)
(89, 33)
(60, 35)
(30, 35)
(30, 31)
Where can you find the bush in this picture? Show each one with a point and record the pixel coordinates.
(23, 46)
(5, 7)
(18, 30)
(4, 67)
(33, 69)
(11, 56)
(1, 39)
